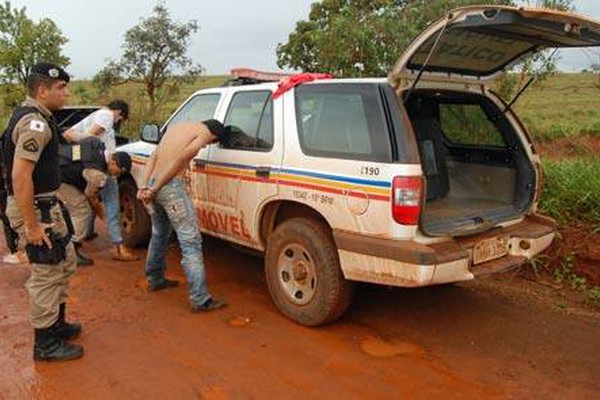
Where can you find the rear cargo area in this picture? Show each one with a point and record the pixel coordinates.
(476, 169)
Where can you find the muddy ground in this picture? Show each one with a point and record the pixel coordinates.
(501, 337)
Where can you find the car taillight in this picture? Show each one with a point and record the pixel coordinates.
(406, 199)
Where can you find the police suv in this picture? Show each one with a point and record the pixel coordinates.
(424, 178)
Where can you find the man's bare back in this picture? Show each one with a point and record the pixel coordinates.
(186, 135)
(180, 143)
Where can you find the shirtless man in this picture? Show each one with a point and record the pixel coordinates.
(170, 208)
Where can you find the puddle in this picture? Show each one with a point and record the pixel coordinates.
(214, 393)
(240, 321)
(142, 284)
(379, 347)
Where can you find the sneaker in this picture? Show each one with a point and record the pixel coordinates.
(11, 259)
(162, 285)
(20, 257)
(209, 305)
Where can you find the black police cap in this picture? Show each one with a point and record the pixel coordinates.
(51, 71)
(123, 161)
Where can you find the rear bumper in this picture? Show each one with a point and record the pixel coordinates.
(411, 264)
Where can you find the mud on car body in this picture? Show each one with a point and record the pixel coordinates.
(423, 178)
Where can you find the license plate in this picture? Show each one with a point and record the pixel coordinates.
(490, 249)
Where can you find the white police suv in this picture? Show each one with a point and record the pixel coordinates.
(423, 178)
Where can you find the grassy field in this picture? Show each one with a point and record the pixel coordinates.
(571, 191)
(563, 106)
(83, 92)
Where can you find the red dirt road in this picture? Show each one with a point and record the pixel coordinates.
(468, 341)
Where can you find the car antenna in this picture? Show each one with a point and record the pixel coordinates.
(529, 82)
(422, 69)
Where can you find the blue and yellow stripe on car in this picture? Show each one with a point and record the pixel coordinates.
(305, 179)
(334, 184)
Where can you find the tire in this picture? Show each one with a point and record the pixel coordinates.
(135, 221)
(303, 273)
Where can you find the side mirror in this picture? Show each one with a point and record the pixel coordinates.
(150, 133)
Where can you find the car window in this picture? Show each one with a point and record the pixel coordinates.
(342, 122)
(468, 124)
(250, 116)
(199, 108)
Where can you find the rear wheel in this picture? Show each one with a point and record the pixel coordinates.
(135, 221)
(303, 273)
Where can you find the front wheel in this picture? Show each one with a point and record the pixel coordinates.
(304, 275)
(135, 221)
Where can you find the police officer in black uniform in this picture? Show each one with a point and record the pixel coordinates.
(84, 169)
(30, 145)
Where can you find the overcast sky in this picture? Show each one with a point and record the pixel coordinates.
(232, 33)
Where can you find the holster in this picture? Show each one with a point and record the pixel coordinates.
(42, 254)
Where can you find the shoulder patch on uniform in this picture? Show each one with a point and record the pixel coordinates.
(31, 146)
(36, 125)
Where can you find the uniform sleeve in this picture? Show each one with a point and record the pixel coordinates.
(31, 135)
(95, 181)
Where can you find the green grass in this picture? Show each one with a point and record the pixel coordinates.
(84, 93)
(571, 191)
(564, 105)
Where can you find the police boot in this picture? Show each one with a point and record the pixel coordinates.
(64, 330)
(48, 347)
(82, 260)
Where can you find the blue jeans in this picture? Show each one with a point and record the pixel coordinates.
(112, 206)
(173, 209)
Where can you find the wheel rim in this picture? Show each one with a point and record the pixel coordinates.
(297, 274)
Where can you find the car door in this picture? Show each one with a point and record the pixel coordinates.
(240, 174)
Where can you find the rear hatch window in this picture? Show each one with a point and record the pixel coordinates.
(481, 41)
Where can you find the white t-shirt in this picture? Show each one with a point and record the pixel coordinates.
(103, 118)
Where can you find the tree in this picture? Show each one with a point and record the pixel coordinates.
(537, 66)
(154, 55)
(23, 43)
(566, 5)
(360, 37)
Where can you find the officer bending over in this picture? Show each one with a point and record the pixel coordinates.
(30, 146)
(84, 169)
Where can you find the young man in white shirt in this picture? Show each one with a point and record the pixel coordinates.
(101, 124)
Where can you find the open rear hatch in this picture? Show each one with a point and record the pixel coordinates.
(478, 172)
(479, 43)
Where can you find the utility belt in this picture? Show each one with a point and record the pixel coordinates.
(58, 253)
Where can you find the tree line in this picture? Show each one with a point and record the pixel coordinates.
(154, 54)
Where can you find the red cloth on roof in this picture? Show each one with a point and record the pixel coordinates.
(292, 81)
